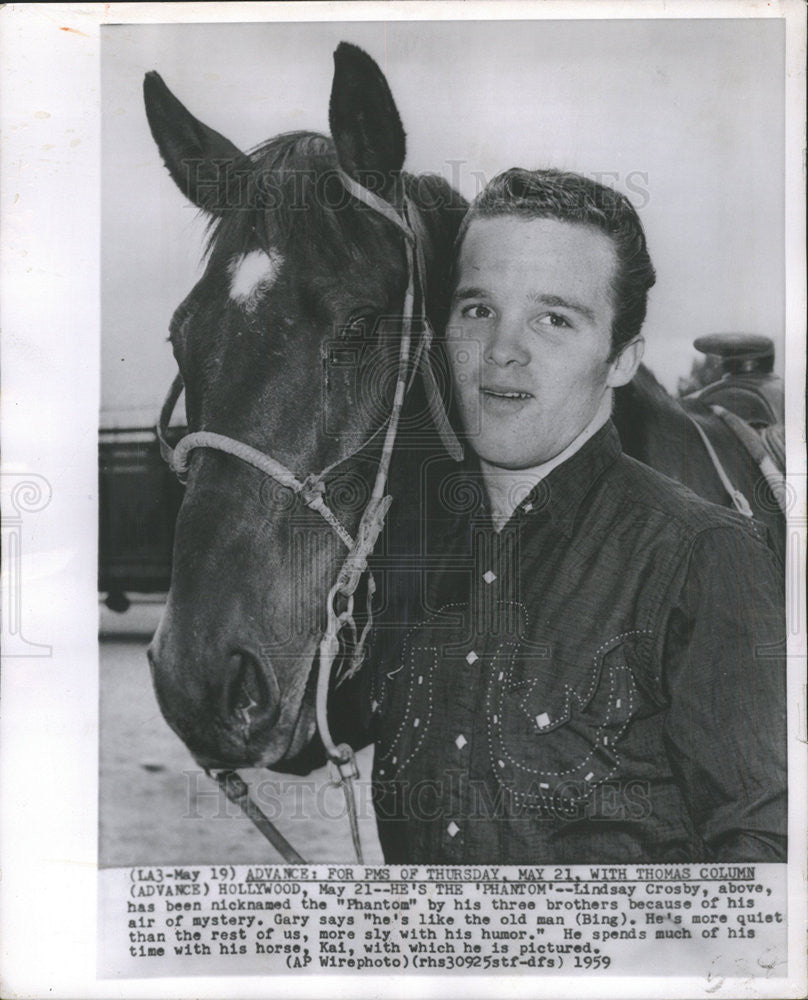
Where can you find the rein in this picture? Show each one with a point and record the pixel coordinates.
(311, 489)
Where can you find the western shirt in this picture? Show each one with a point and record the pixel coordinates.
(602, 680)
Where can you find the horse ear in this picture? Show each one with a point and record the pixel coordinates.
(364, 120)
(202, 163)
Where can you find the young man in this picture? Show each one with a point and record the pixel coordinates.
(597, 673)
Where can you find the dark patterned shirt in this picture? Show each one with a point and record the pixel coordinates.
(601, 681)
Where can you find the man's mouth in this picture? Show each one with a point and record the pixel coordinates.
(503, 392)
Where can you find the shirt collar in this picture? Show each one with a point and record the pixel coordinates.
(561, 493)
(507, 489)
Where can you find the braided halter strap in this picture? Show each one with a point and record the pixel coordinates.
(178, 458)
(311, 489)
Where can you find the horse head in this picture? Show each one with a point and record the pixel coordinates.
(289, 344)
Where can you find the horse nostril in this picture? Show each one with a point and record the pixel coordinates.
(249, 695)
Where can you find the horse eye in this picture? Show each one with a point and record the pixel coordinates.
(357, 327)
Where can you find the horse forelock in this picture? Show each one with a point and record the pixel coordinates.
(285, 193)
(277, 165)
(292, 199)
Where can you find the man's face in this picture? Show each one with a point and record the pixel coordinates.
(529, 336)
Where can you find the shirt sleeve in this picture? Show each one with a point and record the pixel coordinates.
(724, 675)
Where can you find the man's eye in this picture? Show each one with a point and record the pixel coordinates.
(555, 320)
(476, 311)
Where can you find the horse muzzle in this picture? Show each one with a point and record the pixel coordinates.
(225, 705)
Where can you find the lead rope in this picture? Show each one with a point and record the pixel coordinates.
(237, 790)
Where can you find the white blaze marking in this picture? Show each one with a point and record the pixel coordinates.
(251, 273)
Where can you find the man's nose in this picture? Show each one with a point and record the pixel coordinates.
(507, 345)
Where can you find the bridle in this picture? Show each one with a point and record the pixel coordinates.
(311, 490)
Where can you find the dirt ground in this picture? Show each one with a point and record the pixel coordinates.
(157, 807)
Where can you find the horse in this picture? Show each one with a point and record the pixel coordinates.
(670, 436)
(290, 345)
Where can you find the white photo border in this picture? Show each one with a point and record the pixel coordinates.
(50, 183)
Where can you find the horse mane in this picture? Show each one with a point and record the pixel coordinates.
(443, 210)
(651, 424)
(648, 386)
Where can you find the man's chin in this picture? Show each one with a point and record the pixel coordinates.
(507, 456)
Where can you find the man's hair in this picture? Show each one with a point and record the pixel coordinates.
(568, 197)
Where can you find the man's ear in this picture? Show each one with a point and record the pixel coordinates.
(625, 365)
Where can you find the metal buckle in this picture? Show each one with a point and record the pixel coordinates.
(337, 619)
(313, 489)
(343, 769)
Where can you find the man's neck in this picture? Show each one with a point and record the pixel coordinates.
(507, 488)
